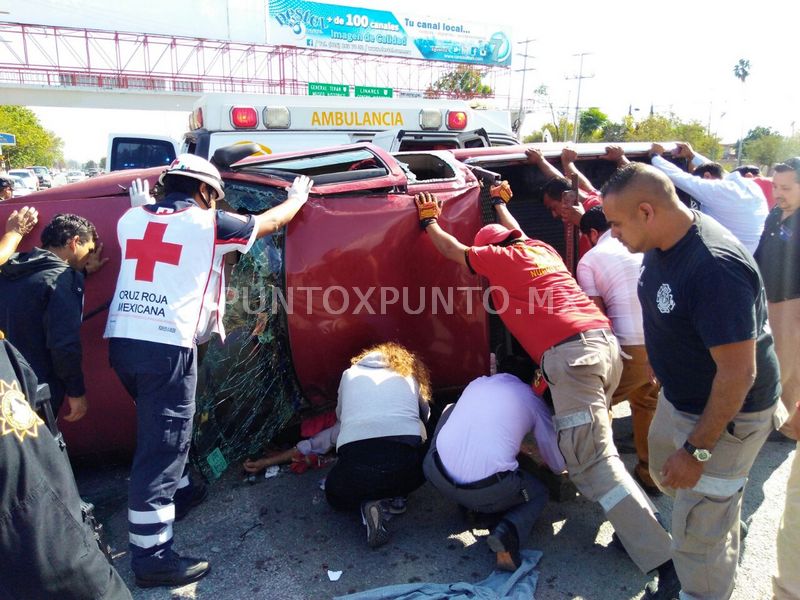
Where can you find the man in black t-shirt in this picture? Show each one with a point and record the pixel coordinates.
(778, 257)
(704, 312)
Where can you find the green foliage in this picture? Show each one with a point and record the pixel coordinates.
(790, 147)
(759, 132)
(619, 132)
(591, 123)
(90, 164)
(742, 69)
(102, 164)
(464, 82)
(664, 128)
(533, 138)
(561, 130)
(763, 150)
(35, 145)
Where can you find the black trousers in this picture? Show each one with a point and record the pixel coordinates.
(374, 469)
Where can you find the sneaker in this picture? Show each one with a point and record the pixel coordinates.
(397, 505)
(667, 587)
(172, 571)
(374, 519)
(504, 542)
(187, 498)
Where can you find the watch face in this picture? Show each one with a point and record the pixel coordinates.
(702, 454)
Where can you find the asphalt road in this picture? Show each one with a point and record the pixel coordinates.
(276, 539)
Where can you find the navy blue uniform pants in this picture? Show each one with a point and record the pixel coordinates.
(162, 380)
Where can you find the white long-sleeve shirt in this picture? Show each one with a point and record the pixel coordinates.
(484, 432)
(610, 272)
(735, 202)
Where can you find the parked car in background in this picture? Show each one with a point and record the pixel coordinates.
(44, 176)
(75, 176)
(20, 189)
(28, 177)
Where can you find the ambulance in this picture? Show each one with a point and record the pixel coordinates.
(281, 124)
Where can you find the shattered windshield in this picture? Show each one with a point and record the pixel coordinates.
(247, 390)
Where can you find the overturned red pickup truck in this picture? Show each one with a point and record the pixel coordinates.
(352, 269)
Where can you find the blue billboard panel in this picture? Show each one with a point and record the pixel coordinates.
(355, 29)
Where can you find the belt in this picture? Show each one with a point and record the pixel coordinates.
(588, 334)
(475, 485)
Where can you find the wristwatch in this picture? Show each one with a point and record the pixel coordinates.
(700, 454)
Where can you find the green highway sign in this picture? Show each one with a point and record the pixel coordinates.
(328, 89)
(374, 92)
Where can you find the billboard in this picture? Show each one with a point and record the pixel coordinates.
(233, 20)
(343, 28)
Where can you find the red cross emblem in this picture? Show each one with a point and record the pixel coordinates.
(152, 249)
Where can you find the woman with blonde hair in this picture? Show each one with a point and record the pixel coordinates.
(382, 411)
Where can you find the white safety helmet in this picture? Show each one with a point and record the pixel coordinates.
(190, 165)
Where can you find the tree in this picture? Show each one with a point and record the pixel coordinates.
(763, 150)
(759, 132)
(534, 137)
(741, 71)
(561, 129)
(102, 164)
(664, 128)
(89, 164)
(591, 124)
(35, 145)
(618, 132)
(464, 82)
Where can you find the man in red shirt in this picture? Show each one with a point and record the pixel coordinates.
(564, 331)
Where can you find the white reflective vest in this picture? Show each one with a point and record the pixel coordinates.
(170, 283)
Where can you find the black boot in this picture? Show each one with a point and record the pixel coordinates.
(668, 586)
(170, 571)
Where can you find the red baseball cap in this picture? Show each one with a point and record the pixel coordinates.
(495, 234)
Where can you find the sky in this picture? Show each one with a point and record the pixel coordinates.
(676, 56)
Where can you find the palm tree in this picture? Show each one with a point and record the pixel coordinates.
(741, 70)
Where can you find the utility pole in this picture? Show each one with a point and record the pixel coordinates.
(580, 77)
(524, 70)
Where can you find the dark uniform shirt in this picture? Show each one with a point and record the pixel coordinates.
(47, 552)
(703, 292)
(778, 256)
(41, 305)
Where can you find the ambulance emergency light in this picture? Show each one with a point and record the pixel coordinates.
(244, 117)
(456, 119)
(277, 117)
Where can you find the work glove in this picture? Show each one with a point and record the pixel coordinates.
(299, 189)
(500, 193)
(140, 193)
(428, 209)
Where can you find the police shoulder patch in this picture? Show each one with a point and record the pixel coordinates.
(16, 415)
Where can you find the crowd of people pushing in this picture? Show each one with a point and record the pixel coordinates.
(690, 314)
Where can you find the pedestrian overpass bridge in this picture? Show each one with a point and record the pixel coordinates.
(43, 65)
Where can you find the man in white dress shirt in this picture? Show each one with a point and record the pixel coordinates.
(734, 201)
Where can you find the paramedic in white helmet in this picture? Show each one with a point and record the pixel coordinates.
(169, 296)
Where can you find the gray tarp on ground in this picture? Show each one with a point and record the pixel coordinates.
(519, 585)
